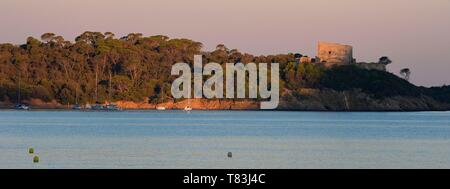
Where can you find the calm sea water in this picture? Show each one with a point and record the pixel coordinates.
(202, 139)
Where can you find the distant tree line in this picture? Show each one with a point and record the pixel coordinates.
(100, 67)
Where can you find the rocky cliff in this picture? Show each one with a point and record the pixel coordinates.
(355, 100)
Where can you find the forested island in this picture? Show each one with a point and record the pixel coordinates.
(134, 71)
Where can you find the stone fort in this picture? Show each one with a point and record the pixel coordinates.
(335, 54)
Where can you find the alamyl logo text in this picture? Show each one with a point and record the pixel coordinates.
(194, 179)
(258, 85)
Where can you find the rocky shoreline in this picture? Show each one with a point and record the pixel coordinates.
(302, 100)
(355, 100)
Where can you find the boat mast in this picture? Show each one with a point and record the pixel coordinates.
(163, 95)
(110, 86)
(189, 97)
(76, 95)
(96, 83)
(18, 95)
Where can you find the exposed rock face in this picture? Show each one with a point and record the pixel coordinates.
(330, 100)
(130, 105)
(196, 104)
(301, 100)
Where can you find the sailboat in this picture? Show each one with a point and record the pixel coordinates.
(19, 105)
(109, 106)
(76, 106)
(188, 108)
(96, 106)
(112, 107)
(161, 108)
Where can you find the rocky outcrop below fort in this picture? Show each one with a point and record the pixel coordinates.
(355, 100)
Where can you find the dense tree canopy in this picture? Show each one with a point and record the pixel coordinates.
(132, 67)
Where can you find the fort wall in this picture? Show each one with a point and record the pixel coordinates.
(334, 53)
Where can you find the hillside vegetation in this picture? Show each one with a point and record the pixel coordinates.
(135, 68)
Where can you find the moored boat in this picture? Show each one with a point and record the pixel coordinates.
(108, 107)
(21, 107)
(76, 107)
(188, 108)
(97, 107)
(112, 107)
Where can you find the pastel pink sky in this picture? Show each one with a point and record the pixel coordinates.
(413, 33)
